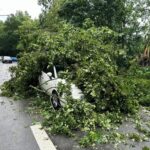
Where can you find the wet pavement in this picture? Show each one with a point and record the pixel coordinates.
(15, 132)
(128, 127)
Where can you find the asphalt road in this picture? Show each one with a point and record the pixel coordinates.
(15, 132)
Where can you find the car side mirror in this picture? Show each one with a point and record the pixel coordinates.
(49, 74)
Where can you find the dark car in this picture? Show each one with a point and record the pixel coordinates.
(6, 59)
(14, 59)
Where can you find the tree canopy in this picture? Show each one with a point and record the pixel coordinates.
(9, 36)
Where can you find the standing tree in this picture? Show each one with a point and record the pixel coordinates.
(10, 36)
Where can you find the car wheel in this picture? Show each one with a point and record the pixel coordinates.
(55, 101)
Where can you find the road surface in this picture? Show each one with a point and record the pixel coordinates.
(15, 132)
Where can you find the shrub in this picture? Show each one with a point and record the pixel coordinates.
(26, 73)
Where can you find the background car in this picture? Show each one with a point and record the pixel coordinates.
(14, 59)
(6, 59)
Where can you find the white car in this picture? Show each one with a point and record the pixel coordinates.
(49, 83)
(6, 59)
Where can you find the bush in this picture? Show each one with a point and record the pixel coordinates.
(26, 73)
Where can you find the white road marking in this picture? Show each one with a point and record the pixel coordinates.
(42, 138)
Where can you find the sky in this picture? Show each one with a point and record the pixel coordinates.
(8, 7)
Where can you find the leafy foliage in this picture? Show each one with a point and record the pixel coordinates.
(24, 75)
(95, 52)
(77, 48)
(9, 36)
(77, 11)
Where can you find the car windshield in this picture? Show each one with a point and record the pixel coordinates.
(51, 70)
(59, 71)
